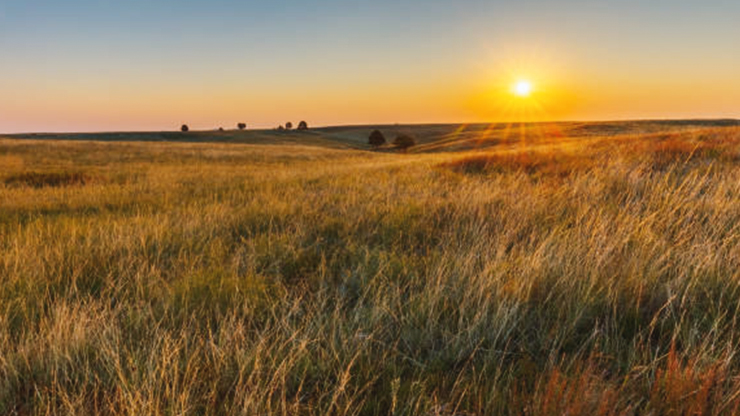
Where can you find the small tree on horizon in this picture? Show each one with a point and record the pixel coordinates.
(288, 125)
(376, 139)
(241, 126)
(302, 125)
(281, 128)
(184, 128)
(404, 142)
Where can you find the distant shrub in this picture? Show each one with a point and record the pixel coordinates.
(241, 126)
(184, 128)
(302, 125)
(376, 139)
(220, 129)
(288, 125)
(280, 128)
(48, 179)
(404, 142)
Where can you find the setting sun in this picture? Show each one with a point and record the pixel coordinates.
(522, 88)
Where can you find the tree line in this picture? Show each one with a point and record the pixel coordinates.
(242, 126)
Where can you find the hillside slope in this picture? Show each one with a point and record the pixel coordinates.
(430, 138)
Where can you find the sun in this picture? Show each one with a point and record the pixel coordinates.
(522, 88)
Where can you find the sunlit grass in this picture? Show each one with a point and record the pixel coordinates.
(590, 276)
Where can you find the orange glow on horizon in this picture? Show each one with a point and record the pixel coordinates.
(538, 87)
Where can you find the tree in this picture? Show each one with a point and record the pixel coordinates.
(404, 141)
(376, 139)
(184, 128)
(288, 125)
(281, 128)
(220, 129)
(302, 125)
(242, 126)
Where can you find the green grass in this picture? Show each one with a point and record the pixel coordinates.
(568, 273)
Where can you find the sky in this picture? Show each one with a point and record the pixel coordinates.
(112, 65)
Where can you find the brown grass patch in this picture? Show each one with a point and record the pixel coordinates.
(689, 389)
(678, 150)
(664, 150)
(659, 151)
(48, 179)
(533, 163)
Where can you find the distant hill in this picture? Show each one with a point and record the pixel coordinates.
(430, 137)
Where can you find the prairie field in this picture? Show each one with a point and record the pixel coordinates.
(581, 269)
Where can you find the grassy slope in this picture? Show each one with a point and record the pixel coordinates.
(434, 137)
(596, 273)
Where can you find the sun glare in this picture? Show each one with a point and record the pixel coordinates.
(522, 88)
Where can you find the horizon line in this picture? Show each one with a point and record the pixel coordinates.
(362, 125)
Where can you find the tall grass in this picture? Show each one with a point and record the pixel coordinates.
(600, 278)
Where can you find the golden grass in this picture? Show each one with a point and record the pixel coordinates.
(601, 276)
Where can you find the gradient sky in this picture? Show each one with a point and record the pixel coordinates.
(94, 65)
